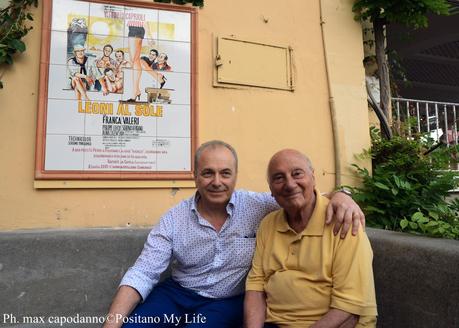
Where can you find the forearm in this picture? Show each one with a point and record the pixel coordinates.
(328, 194)
(124, 302)
(336, 318)
(344, 212)
(254, 309)
(332, 194)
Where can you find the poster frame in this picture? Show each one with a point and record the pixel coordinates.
(41, 173)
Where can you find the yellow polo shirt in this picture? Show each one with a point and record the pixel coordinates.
(305, 274)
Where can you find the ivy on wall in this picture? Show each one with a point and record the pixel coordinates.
(13, 27)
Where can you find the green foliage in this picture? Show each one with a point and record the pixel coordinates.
(198, 3)
(13, 27)
(407, 12)
(407, 190)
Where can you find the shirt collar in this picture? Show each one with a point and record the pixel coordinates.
(316, 222)
(229, 206)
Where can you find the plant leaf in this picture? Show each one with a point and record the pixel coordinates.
(381, 186)
(417, 216)
(404, 223)
(18, 45)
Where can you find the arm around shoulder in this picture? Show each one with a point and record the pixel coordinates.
(345, 212)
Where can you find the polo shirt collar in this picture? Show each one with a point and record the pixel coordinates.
(316, 223)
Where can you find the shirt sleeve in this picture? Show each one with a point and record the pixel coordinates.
(353, 285)
(256, 277)
(262, 201)
(71, 69)
(154, 258)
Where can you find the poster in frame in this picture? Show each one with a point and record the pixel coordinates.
(117, 91)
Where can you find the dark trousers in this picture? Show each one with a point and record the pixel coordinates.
(171, 305)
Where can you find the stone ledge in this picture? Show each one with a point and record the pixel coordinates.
(416, 278)
(65, 272)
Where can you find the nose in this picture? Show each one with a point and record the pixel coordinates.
(290, 183)
(217, 181)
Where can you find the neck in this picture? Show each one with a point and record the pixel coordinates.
(298, 218)
(211, 208)
(216, 215)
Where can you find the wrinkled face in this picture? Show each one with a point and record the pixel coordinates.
(107, 51)
(216, 176)
(119, 56)
(291, 180)
(152, 55)
(79, 54)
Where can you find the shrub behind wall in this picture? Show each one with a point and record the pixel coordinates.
(407, 189)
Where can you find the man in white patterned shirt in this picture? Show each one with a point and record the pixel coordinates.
(208, 240)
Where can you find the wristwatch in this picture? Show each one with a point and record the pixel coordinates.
(345, 191)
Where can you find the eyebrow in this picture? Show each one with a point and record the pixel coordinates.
(213, 170)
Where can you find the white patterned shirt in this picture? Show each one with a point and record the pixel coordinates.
(213, 264)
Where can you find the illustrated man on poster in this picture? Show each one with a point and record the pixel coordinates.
(80, 72)
(103, 62)
(110, 83)
(121, 64)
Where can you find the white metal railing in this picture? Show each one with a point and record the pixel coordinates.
(439, 119)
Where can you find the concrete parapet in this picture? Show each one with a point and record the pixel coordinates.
(416, 278)
(64, 272)
(69, 272)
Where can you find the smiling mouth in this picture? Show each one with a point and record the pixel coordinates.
(292, 195)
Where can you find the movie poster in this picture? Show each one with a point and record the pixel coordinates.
(119, 89)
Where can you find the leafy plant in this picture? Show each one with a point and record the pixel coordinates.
(13, 27)
(407, 190)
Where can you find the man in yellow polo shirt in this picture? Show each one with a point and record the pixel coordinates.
(302, 274)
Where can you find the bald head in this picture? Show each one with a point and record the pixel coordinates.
(291, 181)
(286, 155)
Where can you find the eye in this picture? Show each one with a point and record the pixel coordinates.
(226, 174)
(298, 174)
(206, 174)
(277, 178)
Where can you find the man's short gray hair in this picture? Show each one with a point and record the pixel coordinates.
(212, 144)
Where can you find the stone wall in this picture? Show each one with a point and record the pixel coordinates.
(49, 273)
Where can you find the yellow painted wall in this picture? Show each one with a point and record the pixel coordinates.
(257, 122)
(343, 37)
